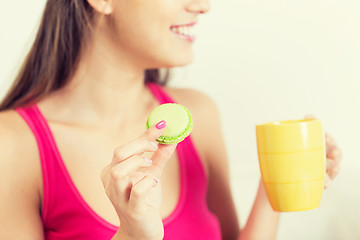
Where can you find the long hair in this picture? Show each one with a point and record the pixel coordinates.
(54, 55)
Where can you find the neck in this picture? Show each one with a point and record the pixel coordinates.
(105, 88)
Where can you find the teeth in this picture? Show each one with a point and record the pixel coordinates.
(183, 30)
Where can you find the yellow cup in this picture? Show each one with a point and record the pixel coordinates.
(292, 163)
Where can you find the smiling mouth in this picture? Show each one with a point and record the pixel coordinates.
(184, 31)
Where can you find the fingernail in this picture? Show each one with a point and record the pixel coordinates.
(161, 124)
(154, 144)
(156, 181)
(148, 160)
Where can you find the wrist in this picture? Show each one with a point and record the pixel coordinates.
(119, 235)
(123, 235)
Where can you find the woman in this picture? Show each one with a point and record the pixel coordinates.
(79, 96)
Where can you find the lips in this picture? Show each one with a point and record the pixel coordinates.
(185, 31)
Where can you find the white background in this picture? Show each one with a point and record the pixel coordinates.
(261, 61)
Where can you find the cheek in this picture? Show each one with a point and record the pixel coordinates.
(164, 48)
(148, 21)
(139, 28)
(145, 32)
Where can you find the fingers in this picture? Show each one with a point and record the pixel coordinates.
(139, 192)
(126, 168)
(309, 116)
(117, 179)
(145, 143)
(327, 181)
(332, 168)
(127, 160)
(333, 159)
(160, 158)
(333, 156)
(332, 149)
(135, 147)
(128, 180)
(155, 131)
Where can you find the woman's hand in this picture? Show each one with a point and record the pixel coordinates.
(132, 183)
(333, 159)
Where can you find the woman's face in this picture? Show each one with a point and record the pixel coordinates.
(156, 33)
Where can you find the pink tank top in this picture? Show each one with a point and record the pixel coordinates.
(66, 215)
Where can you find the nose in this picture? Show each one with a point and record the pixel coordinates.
(198, 6)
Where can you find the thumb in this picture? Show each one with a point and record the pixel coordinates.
(155, 131)
(309, 116)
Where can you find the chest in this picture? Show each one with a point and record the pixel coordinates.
(86, 153)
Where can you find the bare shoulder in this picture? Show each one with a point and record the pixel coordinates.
(207, 129)
(202, 106)
(10, 121)
(15, 135)
(18, 149)
(20, 177)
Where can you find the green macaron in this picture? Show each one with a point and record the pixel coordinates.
(178, 120)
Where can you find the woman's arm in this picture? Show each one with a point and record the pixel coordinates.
(263, 222)
(19, 186)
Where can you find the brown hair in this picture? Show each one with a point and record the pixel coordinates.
(54, 55)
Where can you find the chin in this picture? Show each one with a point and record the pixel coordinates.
(172, 60)
(180, 61)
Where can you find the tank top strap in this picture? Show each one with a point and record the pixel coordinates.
(159, 93)
(192, 170)
(37, 123)
(65, 212)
